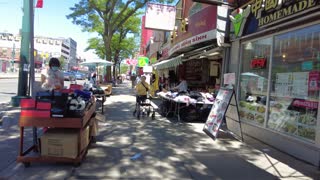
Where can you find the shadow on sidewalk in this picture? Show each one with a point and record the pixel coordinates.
(166, 150)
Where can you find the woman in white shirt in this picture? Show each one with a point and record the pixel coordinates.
(52, 78)
(183, 86)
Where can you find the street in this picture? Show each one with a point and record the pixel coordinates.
(9, 88)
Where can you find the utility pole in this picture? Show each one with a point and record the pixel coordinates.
(24, 52)
(31, 36)
(13, 54)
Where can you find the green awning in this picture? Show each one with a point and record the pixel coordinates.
(173, 62)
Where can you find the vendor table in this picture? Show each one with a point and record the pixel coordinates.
(76, 123)
(176, 105)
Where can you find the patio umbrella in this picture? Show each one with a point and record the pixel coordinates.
(97, 63)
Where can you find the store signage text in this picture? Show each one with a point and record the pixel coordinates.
(194, 40)
(305, 104)
(274, 10)
(258, 63)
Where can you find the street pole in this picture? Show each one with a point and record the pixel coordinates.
(31, 76)
(24, 54)
(25, 49)
(13, 54)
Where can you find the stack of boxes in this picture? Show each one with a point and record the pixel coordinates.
(57, 142)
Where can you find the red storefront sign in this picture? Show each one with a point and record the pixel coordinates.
(258, 63)
(314, 81)
(305, 104)
(201, 26)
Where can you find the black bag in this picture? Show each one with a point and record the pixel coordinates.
(44, 96)
(58, 104)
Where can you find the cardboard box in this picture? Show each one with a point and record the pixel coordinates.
(94, 127)
(60, 143)
(85, 138)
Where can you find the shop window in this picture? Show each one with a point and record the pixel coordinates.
(295, 83)
(254, 81)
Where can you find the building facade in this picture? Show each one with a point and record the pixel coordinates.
(44, 48)
(191, 50)
(146, 34)
(9, 52)
(275, 54)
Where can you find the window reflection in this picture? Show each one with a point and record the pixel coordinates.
(254, 81)
(295, 82)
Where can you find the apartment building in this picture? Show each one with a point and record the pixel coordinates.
(45, 48)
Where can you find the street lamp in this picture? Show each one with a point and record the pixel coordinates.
(13, 54)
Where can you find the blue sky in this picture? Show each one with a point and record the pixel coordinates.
(49, 21)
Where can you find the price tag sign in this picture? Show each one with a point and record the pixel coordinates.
(26, 67)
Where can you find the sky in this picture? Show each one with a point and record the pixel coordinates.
(49, 21)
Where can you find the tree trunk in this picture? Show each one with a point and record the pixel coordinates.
(107, 42)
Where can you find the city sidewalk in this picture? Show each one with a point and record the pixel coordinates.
(128, 148)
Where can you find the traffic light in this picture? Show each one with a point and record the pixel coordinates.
(184, 25)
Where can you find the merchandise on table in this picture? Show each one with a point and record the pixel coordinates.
(188, 106)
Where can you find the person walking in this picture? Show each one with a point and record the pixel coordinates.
(142, 89)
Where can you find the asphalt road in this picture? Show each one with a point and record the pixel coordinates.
(9, 88)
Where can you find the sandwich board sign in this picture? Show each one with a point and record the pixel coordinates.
(224, 106)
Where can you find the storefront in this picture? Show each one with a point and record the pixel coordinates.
(276, 54)
(193, 52)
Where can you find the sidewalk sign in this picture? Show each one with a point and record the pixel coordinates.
(233, 118)
(224, 106)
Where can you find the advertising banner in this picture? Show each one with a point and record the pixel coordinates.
(160, 17)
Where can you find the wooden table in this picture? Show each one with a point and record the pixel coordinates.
(76, 123)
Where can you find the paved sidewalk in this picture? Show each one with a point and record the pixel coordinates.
(128, 148)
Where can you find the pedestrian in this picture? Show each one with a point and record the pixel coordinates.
(94, 78)
(183, 85)
(142, 89)
(51, 77)
(133, 79)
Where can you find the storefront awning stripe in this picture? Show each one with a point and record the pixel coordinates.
(176, 61)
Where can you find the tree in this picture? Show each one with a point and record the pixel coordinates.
(122, 46)
(105, 17)
(62, 62)
(124, 69)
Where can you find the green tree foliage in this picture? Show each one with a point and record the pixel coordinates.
(62, 62)
(106, 17)
(124, 69)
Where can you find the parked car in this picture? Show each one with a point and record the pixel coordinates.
(80, 75)
(69, 76)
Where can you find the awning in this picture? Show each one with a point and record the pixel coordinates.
(173, 62)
